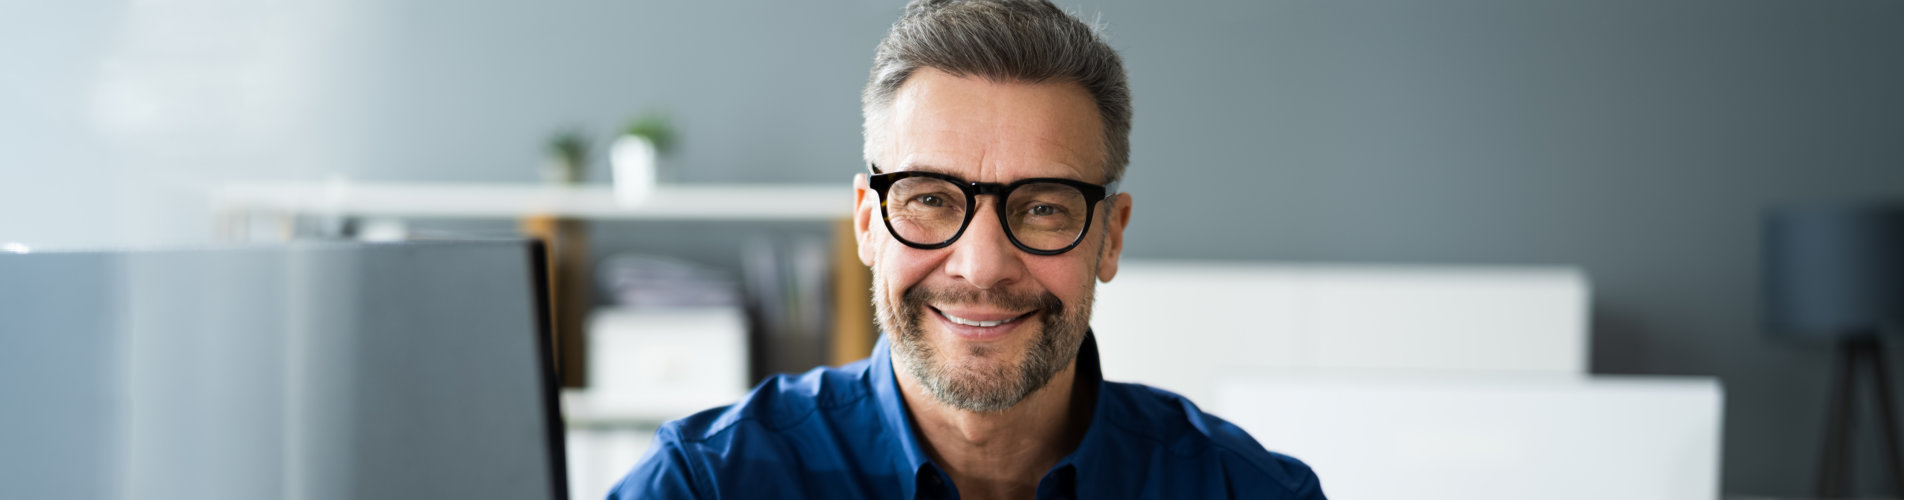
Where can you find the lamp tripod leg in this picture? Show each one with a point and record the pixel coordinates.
(1877, 369)
(1834, 479)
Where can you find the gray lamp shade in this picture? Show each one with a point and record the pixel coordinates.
(1833, 271)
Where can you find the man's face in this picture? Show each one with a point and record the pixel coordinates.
(981, 323)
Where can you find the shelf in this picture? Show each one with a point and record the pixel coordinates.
(516, 200)
(559, 215)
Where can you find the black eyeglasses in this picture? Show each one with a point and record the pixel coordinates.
(1042, 216)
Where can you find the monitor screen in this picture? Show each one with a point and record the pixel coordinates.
(315, 370)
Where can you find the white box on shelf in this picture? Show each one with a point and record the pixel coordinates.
(654, 365)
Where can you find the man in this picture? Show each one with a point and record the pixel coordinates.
(995, 133)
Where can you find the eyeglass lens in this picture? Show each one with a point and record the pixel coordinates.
(1044, 216)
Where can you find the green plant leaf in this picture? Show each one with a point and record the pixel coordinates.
(657, 128)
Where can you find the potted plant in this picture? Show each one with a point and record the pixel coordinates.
(566, 157)
(636, 156)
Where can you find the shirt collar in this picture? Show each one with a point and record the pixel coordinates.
(893, 412)
(914, 465)
(1103, 465)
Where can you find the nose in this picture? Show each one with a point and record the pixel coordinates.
(983, 256)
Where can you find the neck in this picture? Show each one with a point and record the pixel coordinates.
(1002, 454)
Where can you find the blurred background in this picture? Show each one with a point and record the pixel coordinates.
(1639, 141)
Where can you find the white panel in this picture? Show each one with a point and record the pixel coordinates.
(1490, 438)
(1184, 325)
(1456, 318)
(1180, 326)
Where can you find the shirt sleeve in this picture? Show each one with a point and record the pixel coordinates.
(1308, 487)
(664, 472)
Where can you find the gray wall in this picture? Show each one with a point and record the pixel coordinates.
(1637, 139)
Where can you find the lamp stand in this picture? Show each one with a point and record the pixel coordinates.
(1834, 474)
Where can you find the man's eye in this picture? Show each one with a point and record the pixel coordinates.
(930, 200)
(1043, 210)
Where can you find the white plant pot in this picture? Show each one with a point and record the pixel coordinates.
(635, 169)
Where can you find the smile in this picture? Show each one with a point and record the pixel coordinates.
(968, 322)
(982, 326)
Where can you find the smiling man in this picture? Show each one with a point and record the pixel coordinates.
(996, 134)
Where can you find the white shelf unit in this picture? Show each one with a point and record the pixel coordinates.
(557, 213)
(517, 200)
(271, 211)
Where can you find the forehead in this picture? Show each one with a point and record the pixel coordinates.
(994, 131)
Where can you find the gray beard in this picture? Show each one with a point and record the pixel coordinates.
(994, 389)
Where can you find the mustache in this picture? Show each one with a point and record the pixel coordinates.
(1044, 302)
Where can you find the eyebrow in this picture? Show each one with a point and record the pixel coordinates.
(922, 167)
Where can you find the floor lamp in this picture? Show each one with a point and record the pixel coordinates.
(1833, 275)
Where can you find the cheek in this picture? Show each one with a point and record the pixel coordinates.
(899, 268)
(1070, 280)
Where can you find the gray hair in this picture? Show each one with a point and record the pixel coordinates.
(1029, 41)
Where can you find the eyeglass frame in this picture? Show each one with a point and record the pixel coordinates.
(1094, 194)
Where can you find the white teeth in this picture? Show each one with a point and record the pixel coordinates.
(969, 322)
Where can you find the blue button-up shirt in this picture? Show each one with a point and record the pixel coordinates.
(845, 433)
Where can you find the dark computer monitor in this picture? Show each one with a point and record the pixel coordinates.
(325, 370)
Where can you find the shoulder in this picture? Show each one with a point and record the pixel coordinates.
(779, 403)
(702, 455)
(1176, 422)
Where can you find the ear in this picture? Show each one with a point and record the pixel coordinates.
(863, 218)
(1117, 219)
